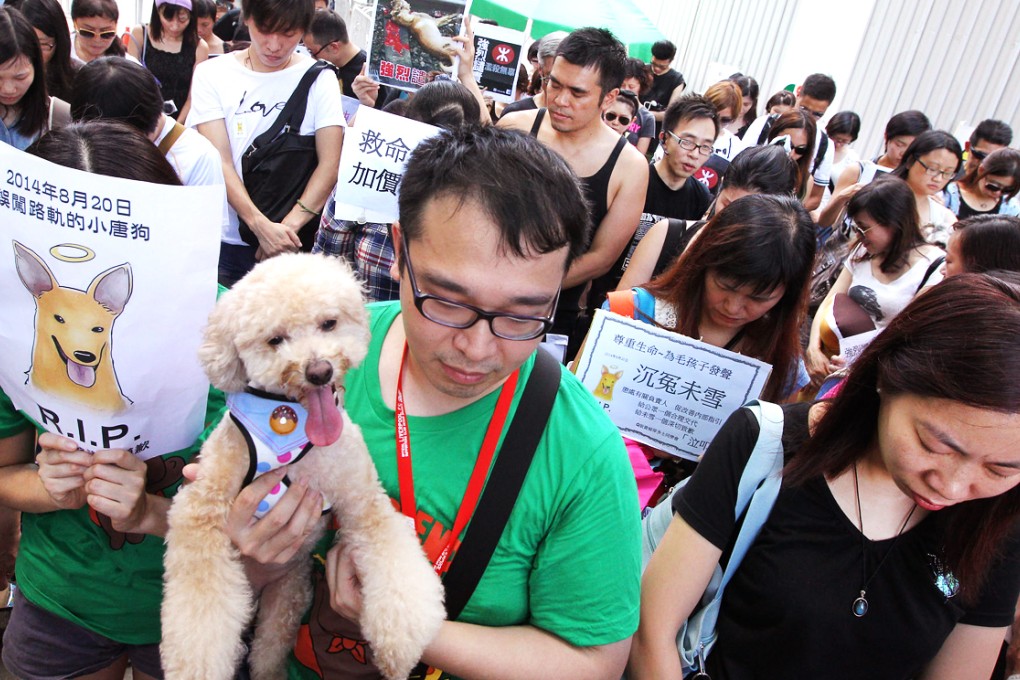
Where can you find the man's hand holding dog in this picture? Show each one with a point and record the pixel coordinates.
(110, 481)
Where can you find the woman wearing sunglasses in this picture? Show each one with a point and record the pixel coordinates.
(620, 113)
(988, 188)
(931, 160)
(891, 550)
(95, 29)
(800, 128)
(26, 111)
(889, 266)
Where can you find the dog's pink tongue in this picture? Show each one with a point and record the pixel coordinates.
(325, 422)
(81, 375)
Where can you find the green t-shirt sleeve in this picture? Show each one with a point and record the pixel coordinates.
(11, 421)
(585, 586)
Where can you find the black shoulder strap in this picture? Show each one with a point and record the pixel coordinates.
(538, 123)
(293, 113)
(823, 146)
(672, 245)
(765, 129)
(935, 264)
(505, 481)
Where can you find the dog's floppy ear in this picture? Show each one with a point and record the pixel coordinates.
(218, 353)
(112, 289)
(32, 271)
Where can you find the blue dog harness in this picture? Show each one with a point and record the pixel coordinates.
(273, 427)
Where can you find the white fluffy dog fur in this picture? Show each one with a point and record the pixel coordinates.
(315, 305)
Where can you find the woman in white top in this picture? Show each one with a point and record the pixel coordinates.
(934, 158)
(900, 132)
(890, 264)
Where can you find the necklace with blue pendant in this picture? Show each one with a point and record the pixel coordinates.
(860, 605)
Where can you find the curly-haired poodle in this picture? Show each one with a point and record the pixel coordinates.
(279, 343)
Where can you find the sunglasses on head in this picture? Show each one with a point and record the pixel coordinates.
(609, 116)
(91, 35)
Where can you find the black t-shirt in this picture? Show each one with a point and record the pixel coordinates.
(689, 202)
(349, 71)
(787, 610)
(657, 97)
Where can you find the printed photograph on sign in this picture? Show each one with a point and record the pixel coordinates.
(663, 389)
(498, 55)
(411, 41)
(107, 293)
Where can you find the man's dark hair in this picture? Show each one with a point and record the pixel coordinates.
(328, 26)
(664, 49)
(114, 88)
(279, 16)
(993, 131)
(598, 48)
(535, 199)
(690, 107)
(819, 86)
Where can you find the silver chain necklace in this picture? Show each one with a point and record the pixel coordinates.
(860, 605)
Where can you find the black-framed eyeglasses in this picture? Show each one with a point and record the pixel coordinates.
(315, 54)
(689, 145)
(993, 188)
(935, 173)
(816, 114)
(610, 116)
(91, 35)
(460, 315)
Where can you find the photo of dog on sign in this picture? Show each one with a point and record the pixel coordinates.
(72, 353)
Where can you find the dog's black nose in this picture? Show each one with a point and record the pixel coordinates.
(319, 372)
(84, 357)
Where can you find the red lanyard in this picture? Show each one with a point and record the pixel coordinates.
(476, 482)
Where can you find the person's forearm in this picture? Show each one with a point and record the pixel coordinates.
(587, 267)
(476, 652)
(238, 198)
(653, 659)
(827, 216)
(22, 489)
(320, 186)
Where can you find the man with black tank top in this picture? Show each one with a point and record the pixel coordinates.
(586, 77)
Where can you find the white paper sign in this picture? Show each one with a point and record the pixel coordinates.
(107, 285)
(372, 162)
(665, 389)
(850, 348)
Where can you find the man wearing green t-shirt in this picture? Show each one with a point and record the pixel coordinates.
(490, 220)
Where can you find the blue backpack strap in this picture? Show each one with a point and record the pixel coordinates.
(644, 305)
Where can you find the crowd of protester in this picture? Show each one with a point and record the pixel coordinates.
(892, 548)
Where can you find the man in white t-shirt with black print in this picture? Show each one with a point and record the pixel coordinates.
(814, 96)
(237, 97)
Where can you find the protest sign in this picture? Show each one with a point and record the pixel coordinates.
(665, 389)
(372, 162)
(108, 283)
(411, 40)
(498, 53)
(851, 347)
(350, 107)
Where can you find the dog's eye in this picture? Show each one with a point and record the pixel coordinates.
(275, 340)
(328, 325)
(98, 329)
(59, 318)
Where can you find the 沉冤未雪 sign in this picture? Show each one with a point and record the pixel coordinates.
(665, 389)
